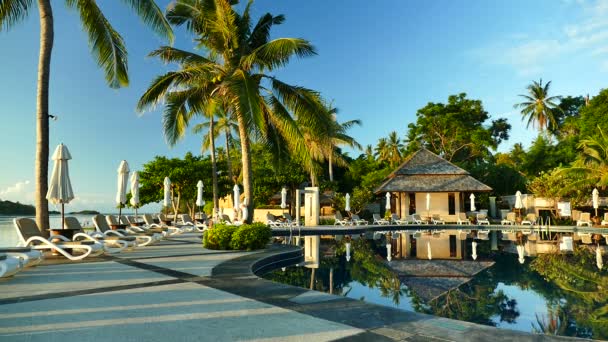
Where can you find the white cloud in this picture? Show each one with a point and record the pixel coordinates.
(529, 54)
(19, 192)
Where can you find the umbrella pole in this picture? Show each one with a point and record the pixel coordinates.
(62, 216)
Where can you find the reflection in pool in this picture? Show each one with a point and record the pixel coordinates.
(562, 294)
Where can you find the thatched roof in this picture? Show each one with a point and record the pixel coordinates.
(425, 171)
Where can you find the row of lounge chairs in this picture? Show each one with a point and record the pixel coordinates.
(409, 219)
(286, 222)
(84, 244)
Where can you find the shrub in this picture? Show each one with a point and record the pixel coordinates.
(251, 236)
(219, 237)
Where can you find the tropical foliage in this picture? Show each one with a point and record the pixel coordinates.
(538, 107)
(235, 74)
(107, 47)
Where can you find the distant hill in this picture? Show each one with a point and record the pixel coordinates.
(85, 212)
(16, 208)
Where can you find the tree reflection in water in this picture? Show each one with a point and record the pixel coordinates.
(576, 293)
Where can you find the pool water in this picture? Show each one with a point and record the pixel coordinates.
(560, 294)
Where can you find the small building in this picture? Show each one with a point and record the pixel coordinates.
(448, 186)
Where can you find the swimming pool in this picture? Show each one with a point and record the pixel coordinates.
(563, 294)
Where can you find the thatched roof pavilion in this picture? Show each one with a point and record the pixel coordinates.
(425, 172)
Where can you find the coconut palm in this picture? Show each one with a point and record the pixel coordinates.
(107, 47)
(225, 124)
(591, 167)
(381, 150)
(339, 137)
(538, 106)
(235, 73)
(394, 146)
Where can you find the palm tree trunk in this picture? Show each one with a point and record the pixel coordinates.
(42, 115)
(228, 161)
(246, 161)
(331, 169)
(213, 166)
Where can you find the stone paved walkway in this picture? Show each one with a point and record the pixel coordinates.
(178, 291)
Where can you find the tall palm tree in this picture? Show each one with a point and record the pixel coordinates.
(381, 150)
(591, 166)
(394, 146)
(235, 72)
(225, 124)
(107, 47)
(538, 106)
(339, 137)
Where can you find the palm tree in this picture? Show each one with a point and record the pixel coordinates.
(108, 49)
(338, 137)
(591, 167)
(381, 151)
(235, 72)
(394, 146)
(224, 124)
(538, 106)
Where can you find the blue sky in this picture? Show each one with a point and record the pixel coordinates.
(378, 61)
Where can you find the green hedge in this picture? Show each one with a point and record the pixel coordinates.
(244, 237)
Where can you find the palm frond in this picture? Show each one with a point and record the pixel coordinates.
(176, 115)
(13, 12)
(107, 46)
(169, 54)
(261, 32)
(277, 53)
(151, 15)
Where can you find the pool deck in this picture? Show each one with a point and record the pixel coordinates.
(179, 291)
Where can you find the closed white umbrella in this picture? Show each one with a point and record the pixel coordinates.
(135, 191)
(388, 201)
(428, 201)
(123, 179)
(347, 204)
(598, 258)
(347, 251)
(520, 254)
(595, 198)
(167, 192)
(428, 250)
(283, 198)
(199, 194)
(237, 199)
(60, 187)
(518, 202)
(472, 197)
(474, 255)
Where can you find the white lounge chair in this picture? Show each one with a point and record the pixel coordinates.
(181, 229)
(396, 220)
(509, 220)
(605, 220)
(436, 219)
(339, 220)
(584, 220)
(273, 221)
(29, 235)
(379, 220)
(359, 221)
(188, 221)
(483, 234)
(9, 265)
(482, 218)
(586, 238)
(463, 219)
(111, 244)
(566, 244)
(28, 256)
(151, 226)
(290, 221)
(417, 219)
(143, 239)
